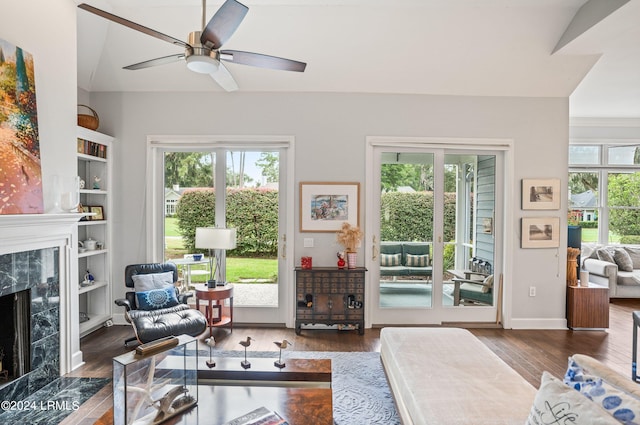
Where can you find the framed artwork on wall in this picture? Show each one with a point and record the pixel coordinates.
(325, 206)
(540, 232)
(540, 194)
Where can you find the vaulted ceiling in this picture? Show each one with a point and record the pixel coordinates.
(586, 49)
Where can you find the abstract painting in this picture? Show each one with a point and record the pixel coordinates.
(20, 170)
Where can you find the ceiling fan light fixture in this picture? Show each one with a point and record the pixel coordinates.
(202, 64)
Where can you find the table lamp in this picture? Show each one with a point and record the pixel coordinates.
(215, 238)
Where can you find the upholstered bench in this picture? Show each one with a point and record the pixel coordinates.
(448, 376)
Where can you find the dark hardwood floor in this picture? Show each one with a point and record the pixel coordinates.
(529, 352)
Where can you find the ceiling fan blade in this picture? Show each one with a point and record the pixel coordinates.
(223, 24)
(154, 62)
(262, 61)
(224, 78)
(133, 25)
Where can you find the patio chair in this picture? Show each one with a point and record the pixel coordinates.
(473, 291)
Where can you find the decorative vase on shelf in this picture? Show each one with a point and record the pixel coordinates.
(352, 258)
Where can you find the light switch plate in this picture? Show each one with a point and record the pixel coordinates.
(308, 242)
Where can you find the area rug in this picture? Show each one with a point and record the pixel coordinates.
(52, 403)
(361, 395)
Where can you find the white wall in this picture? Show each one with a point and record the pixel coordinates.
(47, 30)
(330, 131)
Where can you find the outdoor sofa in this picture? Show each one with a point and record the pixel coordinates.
(405, 259)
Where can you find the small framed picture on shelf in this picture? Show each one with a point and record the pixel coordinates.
(84, 209)
(99, 213)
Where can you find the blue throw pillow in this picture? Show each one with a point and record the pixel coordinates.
(157, 298)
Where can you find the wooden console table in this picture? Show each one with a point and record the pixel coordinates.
(588, 307)
(215, 301)
(330, 296)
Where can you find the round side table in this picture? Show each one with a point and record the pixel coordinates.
(214, 297)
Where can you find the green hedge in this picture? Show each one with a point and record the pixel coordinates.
(409, 216)
(253, 212)
(630, 239)
(588, 224)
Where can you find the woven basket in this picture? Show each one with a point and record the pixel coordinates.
(89, 121)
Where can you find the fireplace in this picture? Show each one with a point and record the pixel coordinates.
(15, 335)
(29, 320)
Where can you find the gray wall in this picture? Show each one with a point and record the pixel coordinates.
(330, 131)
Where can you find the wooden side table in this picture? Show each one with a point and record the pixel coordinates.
(215, 301)
(588, 307)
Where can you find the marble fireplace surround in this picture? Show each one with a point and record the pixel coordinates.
(30, 245)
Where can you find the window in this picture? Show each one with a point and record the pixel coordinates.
(604, 192)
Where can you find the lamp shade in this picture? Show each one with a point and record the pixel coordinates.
(215, 238)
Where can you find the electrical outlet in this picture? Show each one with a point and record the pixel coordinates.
(532, 291)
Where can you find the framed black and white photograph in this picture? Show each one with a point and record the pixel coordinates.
(540, 232)
(324, 207)
(540, 194)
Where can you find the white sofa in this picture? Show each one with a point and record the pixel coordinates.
(607, 270)
(445, 376)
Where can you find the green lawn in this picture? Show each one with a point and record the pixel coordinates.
(265, 269)
(171, 226)
(591, 235)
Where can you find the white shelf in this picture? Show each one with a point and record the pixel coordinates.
(93, 192)
(95, 300)
(92, 253)
(85, 157)
(95, 321)
(96, 285)
(92, 222)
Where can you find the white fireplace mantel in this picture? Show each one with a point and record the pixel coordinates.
(24, 232)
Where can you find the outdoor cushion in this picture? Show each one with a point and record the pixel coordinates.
(417, 260)
(388, 260)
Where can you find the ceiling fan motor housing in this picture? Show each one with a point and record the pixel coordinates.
(200, 58)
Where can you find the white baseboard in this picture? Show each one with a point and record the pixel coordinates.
(533, 323)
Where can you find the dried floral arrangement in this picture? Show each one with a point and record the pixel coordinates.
(349, 236)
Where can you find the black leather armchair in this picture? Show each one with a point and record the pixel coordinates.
(150, 325)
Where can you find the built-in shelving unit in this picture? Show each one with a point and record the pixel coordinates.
(95, 299)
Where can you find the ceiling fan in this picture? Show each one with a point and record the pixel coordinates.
(202, 53)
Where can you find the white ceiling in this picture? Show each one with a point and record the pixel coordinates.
(442, 47)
